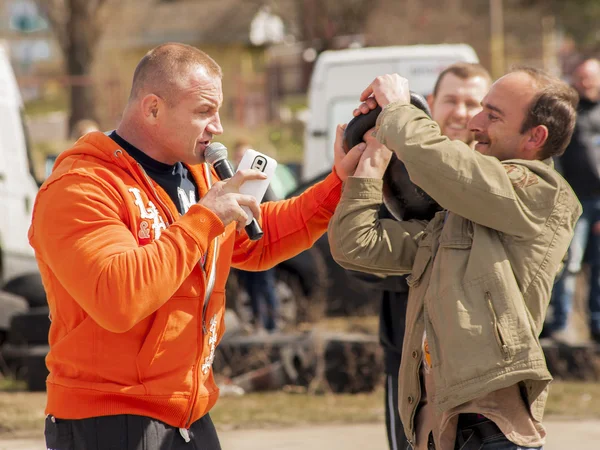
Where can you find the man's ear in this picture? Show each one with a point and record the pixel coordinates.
(430, 100)
(151, 106)
(537, 138)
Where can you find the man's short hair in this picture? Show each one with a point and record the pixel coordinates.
(554, 106)
(161, 69)
(464, 71)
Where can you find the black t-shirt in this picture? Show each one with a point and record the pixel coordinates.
(176, 179)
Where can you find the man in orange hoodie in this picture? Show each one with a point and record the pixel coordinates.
(134, 238)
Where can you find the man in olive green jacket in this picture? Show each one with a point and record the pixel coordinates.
(473, 372)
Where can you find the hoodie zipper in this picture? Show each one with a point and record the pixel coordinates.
(183, 431)
(209, 285)
(211, 280)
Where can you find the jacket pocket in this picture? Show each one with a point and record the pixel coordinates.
(497, 329)
(421, 263)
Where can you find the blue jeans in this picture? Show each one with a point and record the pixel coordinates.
(504, 444)
(495, 442)
(585, 242)
(263, 298)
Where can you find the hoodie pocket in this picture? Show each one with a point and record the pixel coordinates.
(171, 344)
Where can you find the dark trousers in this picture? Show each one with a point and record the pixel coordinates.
(395, 431)
(475, 432)
(128, 432)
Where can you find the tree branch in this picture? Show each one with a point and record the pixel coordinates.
(56, 13)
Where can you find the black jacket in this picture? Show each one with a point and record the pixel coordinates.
(580, 164)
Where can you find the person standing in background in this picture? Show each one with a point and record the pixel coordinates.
(580, 165)
(259, 285)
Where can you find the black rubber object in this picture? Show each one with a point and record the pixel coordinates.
(31, 327)
(358, 126)
(28, 286)
(402, 197)
(10, 305)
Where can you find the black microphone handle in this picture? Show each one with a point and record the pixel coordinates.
(224, 172)
(223, 169)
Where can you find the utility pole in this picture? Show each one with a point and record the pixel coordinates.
(549, 45)
(497, 38)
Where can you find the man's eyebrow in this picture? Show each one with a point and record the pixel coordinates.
(493, 108)
(208, 103)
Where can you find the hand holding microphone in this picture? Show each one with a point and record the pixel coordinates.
(232, 198)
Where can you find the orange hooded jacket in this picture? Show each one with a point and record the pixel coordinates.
(126, 278)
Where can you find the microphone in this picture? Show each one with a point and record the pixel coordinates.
(216, 155)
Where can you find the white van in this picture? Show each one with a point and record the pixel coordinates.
(341, 75)
(18, 186)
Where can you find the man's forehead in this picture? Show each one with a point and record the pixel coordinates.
(512, 89)
(208, 86)
(451, 83)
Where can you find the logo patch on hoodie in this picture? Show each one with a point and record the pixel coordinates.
(151, 216)
(212, 341)
(144, 233)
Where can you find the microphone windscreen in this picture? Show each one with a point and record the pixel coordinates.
(215, 152)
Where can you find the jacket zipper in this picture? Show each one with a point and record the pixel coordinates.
(416, 407)
(497, 332)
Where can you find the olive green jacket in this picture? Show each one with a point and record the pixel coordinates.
(481, 271)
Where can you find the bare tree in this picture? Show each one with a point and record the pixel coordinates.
(321, 21)
(77, 25)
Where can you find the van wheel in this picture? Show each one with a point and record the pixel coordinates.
(295, 304)
(288, 289)
(30, 328)
(10, 305)
(36, 370)
(29, 287)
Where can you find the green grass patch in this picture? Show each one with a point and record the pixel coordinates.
(22, 413)
(9, 384)
(567, 399)
(286, 409)
(574, 399)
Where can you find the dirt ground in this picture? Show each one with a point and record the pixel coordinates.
(562, 434)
